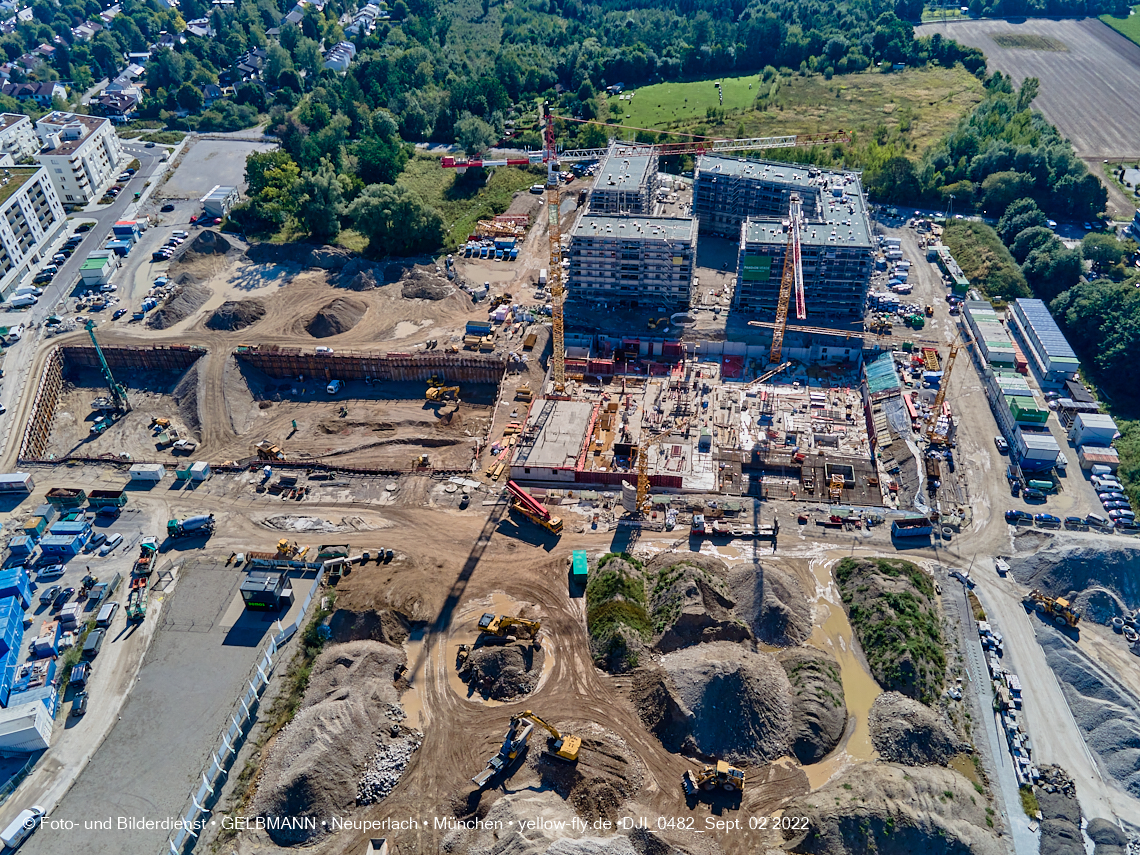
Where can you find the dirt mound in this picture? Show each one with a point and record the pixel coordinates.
(772, 604)
(504, 672)
(425, 283)
(337, 317)
(905, 731)
(1109, 839)
(737, 704)
(304, 254)
(1060, 812)
(364, 281)
(893, 810)
(317, 763)
(1065, 569)
(607, 774)
(185, 395)
(207, 242)
(616, 619)
(235, 315)
(184, 301)
(690, 602)
(386, 625)
(819, 713)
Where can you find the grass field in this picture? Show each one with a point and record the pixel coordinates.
(459, 200)
(1128, 27)
(927, 102)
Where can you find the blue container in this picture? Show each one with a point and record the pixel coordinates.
(21, 545)
(14, 583)
(48, 511)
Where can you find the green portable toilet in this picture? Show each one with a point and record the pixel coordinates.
(579, 566)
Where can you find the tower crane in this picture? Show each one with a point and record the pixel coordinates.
(118, 393)
(932, 435)
(791, 278)
(554, 270)
(643, 464)
(768, 375)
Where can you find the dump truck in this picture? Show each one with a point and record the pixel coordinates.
(527, 505)
(514, 744)
(506, 627)
(268, 451)
(137, 599)
(1058, 608)
(721, 776)
(144, 564)
(201, 524)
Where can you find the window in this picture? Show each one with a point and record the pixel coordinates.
(527, 470)
(60, 171)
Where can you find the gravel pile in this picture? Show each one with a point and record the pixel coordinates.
(235, 315)
(386, 769)
(1061, 812)
(819, 713)
(1070, 568)
(1107, 713)
(337, 317)
(690, 596)
(772, 604)
(186, 299)
(506, 672)
(207, 242)
(737, 703)
(909, 732)
(1109, 839)
(424, 283)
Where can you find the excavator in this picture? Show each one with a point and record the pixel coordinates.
(722, 775)
(514, 743)
(442, 393)
(1060, 609)
(502, 626)
(564, 746)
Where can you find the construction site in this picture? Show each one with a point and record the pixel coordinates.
(541, 587)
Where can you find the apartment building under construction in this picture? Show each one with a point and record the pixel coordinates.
(627, 181)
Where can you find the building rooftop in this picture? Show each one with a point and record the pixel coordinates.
(1101, 420)
(73, 128)
(613, 225)
(559, 441)
(623, 171)
(1045, 329)
(219, 193)
(13, 178)
(7, 120)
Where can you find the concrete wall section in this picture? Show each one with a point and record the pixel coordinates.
(289, 363)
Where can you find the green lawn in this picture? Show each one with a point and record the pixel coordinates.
(1128, 27)
(459, 199)
(924, 102)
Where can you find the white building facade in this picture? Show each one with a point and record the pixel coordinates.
(18, 136)
(30, 218)
(81, 153)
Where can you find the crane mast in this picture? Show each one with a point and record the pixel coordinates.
(932, 435)
(554, 272)
(791, 279)
(118, 393)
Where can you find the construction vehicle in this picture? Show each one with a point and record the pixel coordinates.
(435, 381)
(118, 393)
(930, 311)
(933, 435)
(201, 524)
(137, 598)
(564, 746)
(524, 393)
(144, 564)
(514, 743)
(268, 451)
(421, 462)
(442, 393)
(534, 510)
(1058, 608)
(792, 277)
(160, 423)
(721, 776)
(507, 628)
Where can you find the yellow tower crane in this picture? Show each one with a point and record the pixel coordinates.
(643, 464)
(932, 435)
(792, 277)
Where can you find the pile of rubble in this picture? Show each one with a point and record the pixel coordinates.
(386, 769)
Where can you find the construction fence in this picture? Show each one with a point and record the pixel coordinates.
(288, 363)
(196, 815)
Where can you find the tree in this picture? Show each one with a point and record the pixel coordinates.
(380, 160)
(277, 61)
(474, 134)
(322, 202)
(1019, 216)
(895, 181)
(1002, 189)
(1030, 239)
(1107, 254)
(81, 78)
(189, 97)
(396, 221)
(265, 169)
(1051, 269)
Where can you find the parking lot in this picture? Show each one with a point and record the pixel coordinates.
(208, 162)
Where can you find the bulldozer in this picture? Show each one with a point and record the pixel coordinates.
(442, 393)
(1060, 609)
(506, 627)
(563, 746)
(723, 776)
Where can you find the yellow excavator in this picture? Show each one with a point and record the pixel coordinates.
(504, 626)
(723, 775)
(564, 746)
(442, 393)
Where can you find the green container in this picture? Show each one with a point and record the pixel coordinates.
(579, 566)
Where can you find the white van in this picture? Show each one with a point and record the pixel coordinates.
(106, 614)
(334, 387)
(112, 541)
(21, 828)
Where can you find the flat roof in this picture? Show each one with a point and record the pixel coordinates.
(9, 119)
(623, 172)
(219, 192)
(1037, 316)
(617, 226)
(17, 177)
(1101, 420)
(560, 440)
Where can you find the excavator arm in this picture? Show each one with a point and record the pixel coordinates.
(566, 746)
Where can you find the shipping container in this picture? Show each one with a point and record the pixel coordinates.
(153, 472)
(17, 482)
(35, 527)
(66, 497)
(14, 583)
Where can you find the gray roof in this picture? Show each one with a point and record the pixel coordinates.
(618, 226)
(619, 173)
(1045, 329)
(561, 438)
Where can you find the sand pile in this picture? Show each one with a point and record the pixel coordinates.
(908, 732)
(235, 315)
(337, 317)
(772, 604)
(340, 742)
(385, 625)
(819, 713)
(1065, 568)
(207, 242)
(185, 395)
(608, 772)
(502, 673)
(424, 283)
(185, 300)
(893, 810)
(737, 703)
(689, 596)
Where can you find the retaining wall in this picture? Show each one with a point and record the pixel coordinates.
(288, 363)
(38, 428)
(174, 357)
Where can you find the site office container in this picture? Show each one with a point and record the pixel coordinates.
(912, 527)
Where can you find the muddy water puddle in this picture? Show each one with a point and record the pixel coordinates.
(444, 653)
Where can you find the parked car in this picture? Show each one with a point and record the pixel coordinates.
(118, 314)
(1096, 520)
(1121, 515)
(61, 599)
(80, 674)
(1127, 526)
(112, 541)
(1017, 517)
(84, 227)
(96, 541)
(52, 571)
(50, 594)
(1032, 494)
(1113, 497)
(150, 145)
(1117, 506)
(1001, 444)
(1046, 519)
(167, 208)
(79, 704)
(1075, 522)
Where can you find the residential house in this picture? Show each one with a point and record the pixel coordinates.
(86, 31)
(249, 65)
(117, 106)
(340, 57)
(41, 93)
(201, 27)
(211, 92)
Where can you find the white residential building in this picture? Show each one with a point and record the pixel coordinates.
(340, 57)
(31, 215)
(18, 136)
(82, 155)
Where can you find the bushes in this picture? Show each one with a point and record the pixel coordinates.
(616, 619)
(984, 259)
